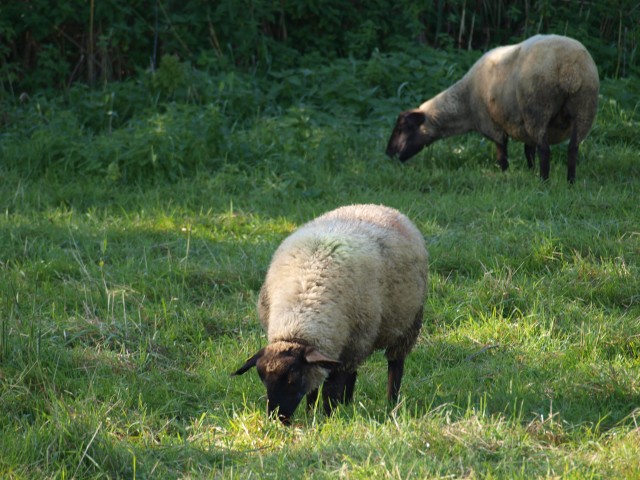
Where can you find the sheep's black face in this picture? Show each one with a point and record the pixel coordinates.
(284, 368)
(409, 135)
(285, 381)
(284, 396)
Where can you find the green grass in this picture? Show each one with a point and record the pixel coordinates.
(126, 303)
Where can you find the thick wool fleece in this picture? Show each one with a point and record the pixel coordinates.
(349, 282)
(525, 91)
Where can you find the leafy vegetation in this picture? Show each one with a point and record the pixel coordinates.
(98, 42)
(138, 222)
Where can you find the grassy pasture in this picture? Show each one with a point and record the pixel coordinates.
(129, 285)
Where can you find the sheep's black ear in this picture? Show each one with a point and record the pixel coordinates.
(315, 356)
(249, 363)
(415, 118)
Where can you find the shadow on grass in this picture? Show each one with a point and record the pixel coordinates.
(499, 379)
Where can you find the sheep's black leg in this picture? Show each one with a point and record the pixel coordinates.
(312, 398)
(396, 354)
(545, 160)
(350, 387)
(395, 371)
(572, 157)
(501, 149)
(530, 155)
(337, 388)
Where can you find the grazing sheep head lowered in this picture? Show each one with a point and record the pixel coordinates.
(287, 370)
(410, 135)
(352, 281)
(540, 92)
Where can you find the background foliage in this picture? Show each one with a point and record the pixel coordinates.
(47, 44)
(179, 121)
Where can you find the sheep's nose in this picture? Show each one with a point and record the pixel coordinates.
(286, 421)
(274, 412)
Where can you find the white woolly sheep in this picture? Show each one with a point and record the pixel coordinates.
(540, 92)
(341, 286)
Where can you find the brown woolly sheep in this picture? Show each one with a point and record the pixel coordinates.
(540, 92)
(341, 286)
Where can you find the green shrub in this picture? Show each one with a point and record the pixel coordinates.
(52, 46)
(176, 120)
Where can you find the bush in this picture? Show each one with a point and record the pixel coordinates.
(168, 144)
(46, 46)
(178, 120)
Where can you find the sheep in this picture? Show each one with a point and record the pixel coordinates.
(341, 286)
(540, 92)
